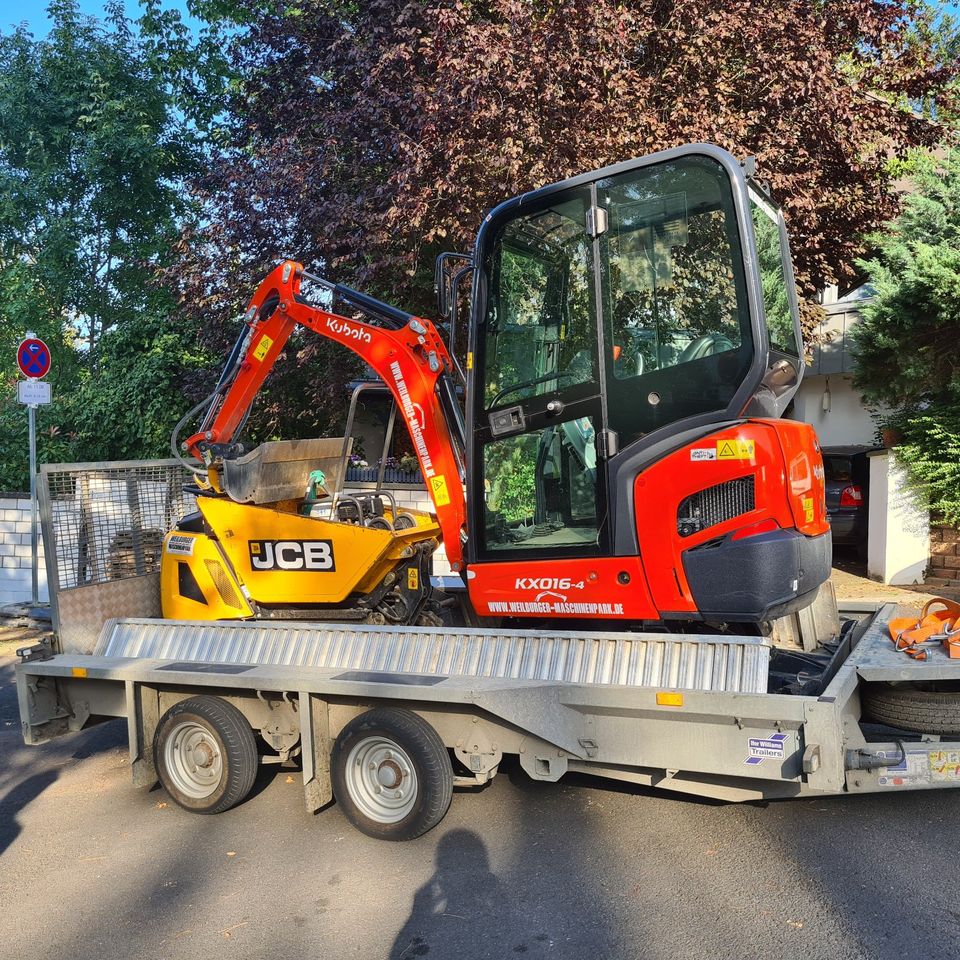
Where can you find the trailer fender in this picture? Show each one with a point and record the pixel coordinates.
(317, 745)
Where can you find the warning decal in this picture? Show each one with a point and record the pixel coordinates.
(945, 765)
(808, 509)
(438, 487)
(736, 449)
(260, 351)
(912, 768)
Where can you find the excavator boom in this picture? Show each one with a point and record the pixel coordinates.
(411, 359)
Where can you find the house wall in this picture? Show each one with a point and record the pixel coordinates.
(847, 421)
(15, 585)
(898, 538)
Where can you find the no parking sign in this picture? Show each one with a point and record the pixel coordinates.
(33, 358)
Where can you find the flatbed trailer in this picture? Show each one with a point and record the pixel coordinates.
(691, 714)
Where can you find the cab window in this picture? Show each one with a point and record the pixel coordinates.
(540, 329)
(677, 321)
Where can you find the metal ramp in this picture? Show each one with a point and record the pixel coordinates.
(694, 662)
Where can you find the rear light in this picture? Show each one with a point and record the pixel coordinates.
(755, 529)
(851, 496)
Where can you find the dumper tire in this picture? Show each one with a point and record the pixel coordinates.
(906, 708)
(224, 751)
(392, 775)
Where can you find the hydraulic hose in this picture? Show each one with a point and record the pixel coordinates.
(175, 436)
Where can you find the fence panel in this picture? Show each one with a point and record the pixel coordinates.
(103, 529)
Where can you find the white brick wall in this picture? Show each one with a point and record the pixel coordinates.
(15, 552)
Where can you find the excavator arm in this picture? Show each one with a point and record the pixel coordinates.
(406, 352)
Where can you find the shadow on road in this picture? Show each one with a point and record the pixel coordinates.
(18, 798)
(462, 901)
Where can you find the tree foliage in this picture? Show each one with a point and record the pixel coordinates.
(369, 136)
(906, 341)
(95, 147)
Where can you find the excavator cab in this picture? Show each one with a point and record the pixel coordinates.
(636, 330)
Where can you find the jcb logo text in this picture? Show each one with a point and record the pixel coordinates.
(291, 555)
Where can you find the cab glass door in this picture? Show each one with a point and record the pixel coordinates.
(537, 404)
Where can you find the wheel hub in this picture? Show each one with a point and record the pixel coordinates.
(381, 779)
(193, 760)
(389, 774)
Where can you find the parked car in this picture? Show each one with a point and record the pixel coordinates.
(848, 488)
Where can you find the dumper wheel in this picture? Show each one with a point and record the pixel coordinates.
(907, 708)
(205, 754)
(392, 774)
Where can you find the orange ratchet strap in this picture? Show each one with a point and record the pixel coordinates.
(939, 626)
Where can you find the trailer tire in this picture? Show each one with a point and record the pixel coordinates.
(392, 775)
(205, 754)
(906, 708)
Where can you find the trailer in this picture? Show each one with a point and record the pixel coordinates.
(387, 720)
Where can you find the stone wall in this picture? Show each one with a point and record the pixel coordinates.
(15, 550)
(944, 553)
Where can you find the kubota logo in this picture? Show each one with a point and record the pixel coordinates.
(348, 330)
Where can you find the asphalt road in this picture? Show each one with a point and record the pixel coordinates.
(92, 868)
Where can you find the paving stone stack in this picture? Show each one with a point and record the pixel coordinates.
(944, 557)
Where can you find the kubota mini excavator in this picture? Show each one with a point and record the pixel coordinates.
(634, 339)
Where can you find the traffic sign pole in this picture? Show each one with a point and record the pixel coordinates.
(33, 359)
(34, 539)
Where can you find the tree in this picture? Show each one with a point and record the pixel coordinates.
(906, 341)
(367, 137)
(94, 149)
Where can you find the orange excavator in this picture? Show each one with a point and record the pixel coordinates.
(612, 448)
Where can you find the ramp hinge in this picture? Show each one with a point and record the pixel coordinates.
(597, 221)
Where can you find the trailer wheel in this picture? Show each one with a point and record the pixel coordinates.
(921, 711)
(392, 774)
(205, 754)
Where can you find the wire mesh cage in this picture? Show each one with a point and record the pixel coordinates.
(106, 521)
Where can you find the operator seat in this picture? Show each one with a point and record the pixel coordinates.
(705, 346)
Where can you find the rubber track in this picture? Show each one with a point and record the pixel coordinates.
(240, 747)
(919, 711)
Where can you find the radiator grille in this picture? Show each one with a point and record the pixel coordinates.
(706, 508)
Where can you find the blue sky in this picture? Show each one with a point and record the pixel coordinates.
(34, 12)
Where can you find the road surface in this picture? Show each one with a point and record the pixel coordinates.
(92, 868)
